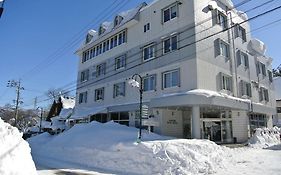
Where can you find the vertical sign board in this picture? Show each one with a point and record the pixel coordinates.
(144, 111)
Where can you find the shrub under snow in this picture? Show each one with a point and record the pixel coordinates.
(15, 157)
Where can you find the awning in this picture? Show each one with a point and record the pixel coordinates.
(200, 99)
(203, 97)
(85, 112)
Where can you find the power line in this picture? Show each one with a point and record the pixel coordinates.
(255, 17)
(192, 27)
(75, 40)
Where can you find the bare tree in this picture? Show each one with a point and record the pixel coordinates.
(54, 94)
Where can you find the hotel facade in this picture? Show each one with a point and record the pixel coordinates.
(204, 76)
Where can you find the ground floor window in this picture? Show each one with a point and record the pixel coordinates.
(257, 121)
(102, 118)
(120, 117)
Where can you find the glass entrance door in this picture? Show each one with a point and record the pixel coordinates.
(212, 130)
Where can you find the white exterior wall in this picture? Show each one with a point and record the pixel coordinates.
(199, 68)
(240, 125)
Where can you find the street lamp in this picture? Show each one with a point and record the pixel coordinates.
(134, 83)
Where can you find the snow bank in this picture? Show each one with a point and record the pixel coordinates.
(112, 147)
(15, 158)
(264, 137)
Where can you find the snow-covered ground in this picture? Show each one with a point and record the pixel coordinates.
(110, 148)
(15, 157)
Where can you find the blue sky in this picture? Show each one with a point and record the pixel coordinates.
(31, 31)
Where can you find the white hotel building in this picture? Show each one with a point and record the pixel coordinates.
(204, 75)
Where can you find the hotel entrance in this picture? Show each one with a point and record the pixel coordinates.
(216, 125)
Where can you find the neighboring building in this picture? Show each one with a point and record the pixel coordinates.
(201, 80)
(277, 85)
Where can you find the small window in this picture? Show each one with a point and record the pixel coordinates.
(84, 75)
(146, 27)
(117, 20)
(242, 59)
(115, 41)
(270, 76)
(111, 43)
(170, 44)
(263, 94)
(119, 89)
(226, 82)
(223, 48)
(99, 94)
(240, 32)
(279, 110)
(170, 13)
(149, 83)
(263, 69)
(100, 70)
(149, 52)
(245, 88)
(171, 79)
(83, 97)
(222, 20)
(120, 62)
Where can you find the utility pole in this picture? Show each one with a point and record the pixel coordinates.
(41, 117)
(35, 103)
(17, 85)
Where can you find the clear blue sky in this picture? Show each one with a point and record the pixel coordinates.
(33, 30)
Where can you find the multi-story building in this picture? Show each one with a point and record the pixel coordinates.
(204, 76)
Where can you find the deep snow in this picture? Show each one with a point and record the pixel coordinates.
(15, 157)
(110, 148)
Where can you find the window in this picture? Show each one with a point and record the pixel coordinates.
(115, 41)
(261, 68)
(146, 27)
(270, 76)
(120, 117)
(99, 94)
(117, 20)
(170, 13)
(107, 45)
(171, 79)
(100, 70)
(149, 83)
(170, 44)
(120, 62)
(257, 121)
(242, 59)
(84, 75)
(240, 32)
(278, 110)
(149, 52)
(83, 97)
(245, 88)
(222, 19)
(263, 94)
(119, 89)
(111, 43)
(101, 30)
(226, 82)
(98, 50)
(221, 48)
(104, 47)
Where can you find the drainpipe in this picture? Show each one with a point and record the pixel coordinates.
(233, 60)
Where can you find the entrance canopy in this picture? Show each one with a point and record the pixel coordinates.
(201, 97)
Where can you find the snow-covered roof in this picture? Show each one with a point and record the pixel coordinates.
(67, 102)
(109, 26)
(277, 86)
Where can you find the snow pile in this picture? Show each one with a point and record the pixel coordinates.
(264, 137)
(112, 147)
(15, 158)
